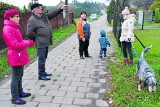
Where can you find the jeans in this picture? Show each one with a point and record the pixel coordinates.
(42, 56)
(127, 46)
(83, 47)
(16, 83)
(103, 50)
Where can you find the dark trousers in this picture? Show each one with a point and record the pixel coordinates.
(83, 47)
(103, 50)
(127, 46)
(16, 82)
(42, 56)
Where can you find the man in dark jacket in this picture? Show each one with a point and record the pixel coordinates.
(39, 29)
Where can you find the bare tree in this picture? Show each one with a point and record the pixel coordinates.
(147, 4)
(142, 4)
(118, 5)
(121, 4)
(112, 7)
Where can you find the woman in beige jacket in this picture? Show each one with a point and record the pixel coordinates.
(127, 35)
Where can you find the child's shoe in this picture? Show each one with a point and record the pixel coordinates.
(130, 63)
(125, 61)
(19, 101)
(25, 95)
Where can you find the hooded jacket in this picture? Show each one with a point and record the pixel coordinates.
(103, 40)
(17, 53)
(127, 34)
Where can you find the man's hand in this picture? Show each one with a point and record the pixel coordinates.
(83, 39)
(64, 7)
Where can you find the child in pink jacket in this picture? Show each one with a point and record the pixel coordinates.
(17, 53)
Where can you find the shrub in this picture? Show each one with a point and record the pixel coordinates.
(109, 10)
(132, 10)
(157, 15)
(156, 4)
(5, 6)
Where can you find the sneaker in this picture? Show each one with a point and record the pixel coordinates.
(125, 61)
(105, 56)
(130, 63)
(100, 56)
(19, 101)
(24, 95)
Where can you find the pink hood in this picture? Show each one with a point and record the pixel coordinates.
(17, 54)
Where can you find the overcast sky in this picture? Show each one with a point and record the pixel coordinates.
(21, 3)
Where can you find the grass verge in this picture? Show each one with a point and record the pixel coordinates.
(148, 23)
(124, 84)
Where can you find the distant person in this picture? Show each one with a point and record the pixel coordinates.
(104, 42)
(127, 35)
(39, 29)
(83, 31)
(17, 54)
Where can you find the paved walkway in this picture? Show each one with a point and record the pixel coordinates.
(75, 82)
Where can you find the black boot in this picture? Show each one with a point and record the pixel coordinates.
(81, 57)
(47, 74)
(43, 78)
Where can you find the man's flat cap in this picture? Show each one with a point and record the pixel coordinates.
(35, 5)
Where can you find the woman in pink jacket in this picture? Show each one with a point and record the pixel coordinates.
(17, 53)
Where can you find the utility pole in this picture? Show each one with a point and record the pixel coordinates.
(67, 17)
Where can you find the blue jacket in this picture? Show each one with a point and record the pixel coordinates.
(104, 42)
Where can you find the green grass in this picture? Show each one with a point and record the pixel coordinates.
(58, 36)
(111, 24)
(151, 24)
(148, 37)
(4, 65)
(124, 84)
(148, 23)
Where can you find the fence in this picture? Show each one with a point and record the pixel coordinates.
(109, 17)
(55, 23)
(146, 31)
